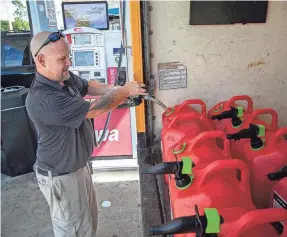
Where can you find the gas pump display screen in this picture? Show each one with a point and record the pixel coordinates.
(82, 39)
(86, 14)
(84, 58)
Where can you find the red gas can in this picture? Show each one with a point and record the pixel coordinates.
(183, 124)
(212, 187)
(185, 107)
(256, 223)
(225, 109)
(202, 149)
(264, 160)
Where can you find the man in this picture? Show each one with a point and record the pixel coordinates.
(56, 106)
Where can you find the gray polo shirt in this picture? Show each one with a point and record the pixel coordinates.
(65, 137)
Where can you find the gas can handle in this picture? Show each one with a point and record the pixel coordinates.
(219, 165)
(247, 98)
(272, 112)
(183, 116)
(259, 217)
(279, 133)
(212, 134)
(200, 102)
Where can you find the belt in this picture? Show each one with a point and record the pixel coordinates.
(46, 172)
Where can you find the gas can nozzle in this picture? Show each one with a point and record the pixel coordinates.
(279, 174)
(234, 114)
(182, 171)
(208, 223)
(254, 132)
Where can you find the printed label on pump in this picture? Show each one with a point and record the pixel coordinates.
(279, 202)
(112, 74)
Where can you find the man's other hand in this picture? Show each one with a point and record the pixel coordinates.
(135, 88)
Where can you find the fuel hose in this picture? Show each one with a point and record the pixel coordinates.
(118, 72)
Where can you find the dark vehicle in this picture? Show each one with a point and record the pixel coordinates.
(17, 66)
(18, 136)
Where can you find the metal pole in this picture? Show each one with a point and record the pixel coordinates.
(149, 82)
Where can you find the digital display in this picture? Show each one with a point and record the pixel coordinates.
(84, 58)
(88, 14)
(82, 39)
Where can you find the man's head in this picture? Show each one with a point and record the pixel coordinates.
(52, 61)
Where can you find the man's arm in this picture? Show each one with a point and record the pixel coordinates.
(108, 102)
(95, 88)
(91, 87)
(114, 97)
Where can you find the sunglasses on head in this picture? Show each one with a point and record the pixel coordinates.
(55, 36)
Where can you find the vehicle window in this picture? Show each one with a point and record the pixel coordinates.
(15, 51)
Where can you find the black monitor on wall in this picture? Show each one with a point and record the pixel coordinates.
(227, 12)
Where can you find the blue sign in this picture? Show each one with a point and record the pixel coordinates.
(116, 51)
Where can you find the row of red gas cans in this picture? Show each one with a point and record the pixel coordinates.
(224, 170)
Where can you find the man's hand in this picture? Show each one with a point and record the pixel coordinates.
(135, 88)
(115, 97)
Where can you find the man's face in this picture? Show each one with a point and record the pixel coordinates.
(57, 61)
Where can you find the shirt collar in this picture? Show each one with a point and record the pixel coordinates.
(40, 78)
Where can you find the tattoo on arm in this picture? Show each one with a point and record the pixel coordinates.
(106, 102)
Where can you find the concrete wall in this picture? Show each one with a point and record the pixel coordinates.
(222, 61)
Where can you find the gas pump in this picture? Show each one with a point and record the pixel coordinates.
(89, 61)
(95, 55)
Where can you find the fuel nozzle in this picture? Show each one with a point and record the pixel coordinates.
(234, 114)
(279, 174)
(182, 171)
(132, 101)
(254, 132)
(209, 224)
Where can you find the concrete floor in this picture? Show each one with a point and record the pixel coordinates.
(24, 211)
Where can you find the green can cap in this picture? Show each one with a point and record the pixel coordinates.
(262, 130)
(239, 111)
(187, 169)
(213, 221)
(187, 165)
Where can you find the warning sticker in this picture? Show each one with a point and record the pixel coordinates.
(172, 75)
(279, 202)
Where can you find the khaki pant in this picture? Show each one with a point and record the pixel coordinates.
(73, 203)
